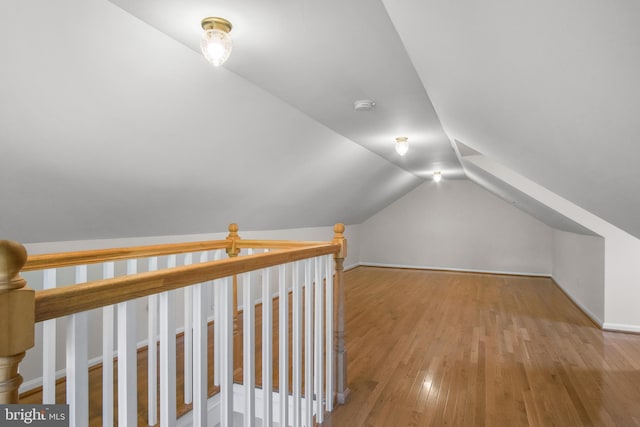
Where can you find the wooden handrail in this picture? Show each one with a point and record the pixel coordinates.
(67, 259)
(59, 302)
(275, 244)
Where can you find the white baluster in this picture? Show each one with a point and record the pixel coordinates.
(297, 347)
(267, 343)
(77, 369)
(167, 356)
(283, 353)
(248, 350)
(200, 392)
(199, 358)
(329, 335)
(225, 308)
(108, 316)
(188, 337)
(152, 353)
(127, 369)
(308, 347)
(49, 347)
(217, 296)
(319, 335)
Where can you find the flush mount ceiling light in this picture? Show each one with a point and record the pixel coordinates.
(437, 176)
(402, 145)
(216, 43)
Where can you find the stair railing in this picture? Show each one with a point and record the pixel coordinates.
(300, 268)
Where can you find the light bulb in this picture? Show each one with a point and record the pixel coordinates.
(216, 46)
(402, 145)
(437, 176)
(216, 43)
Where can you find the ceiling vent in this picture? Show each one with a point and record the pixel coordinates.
(364, 105)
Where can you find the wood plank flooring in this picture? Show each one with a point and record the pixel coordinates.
(430, 348)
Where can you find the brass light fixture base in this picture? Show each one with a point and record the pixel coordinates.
(215, 23)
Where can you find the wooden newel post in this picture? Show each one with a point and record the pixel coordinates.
(17, 318)
(232, 252)
(341, 352)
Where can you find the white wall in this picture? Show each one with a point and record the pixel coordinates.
(125, 132)
(456, 224)
(621, 249)
(578, 268)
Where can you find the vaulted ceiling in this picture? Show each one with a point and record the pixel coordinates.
(547, 88)
(112, 124)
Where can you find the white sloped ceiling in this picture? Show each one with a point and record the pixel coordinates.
(109, 128)
(549, 89)
(112, 124)
(320, 57)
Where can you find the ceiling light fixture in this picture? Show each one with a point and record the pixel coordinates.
(402, 145)
(437, 176)
(216, 43)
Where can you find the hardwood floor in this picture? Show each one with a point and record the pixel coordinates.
(430, 348)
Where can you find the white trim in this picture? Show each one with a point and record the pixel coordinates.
(462, 270)
(213, 413)
(352, 266)
(618, 327)
(213, 407)
(37, 382)
(580, 305)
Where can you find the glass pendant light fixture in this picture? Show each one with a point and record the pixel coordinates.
(216, 43)
(437, 176)
(402, 145)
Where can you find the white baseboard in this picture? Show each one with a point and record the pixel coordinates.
(462, 270)
(618, 327)
(588, 312)
(37, 382)
(580, 305)
(213, 407)
(352, 266)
